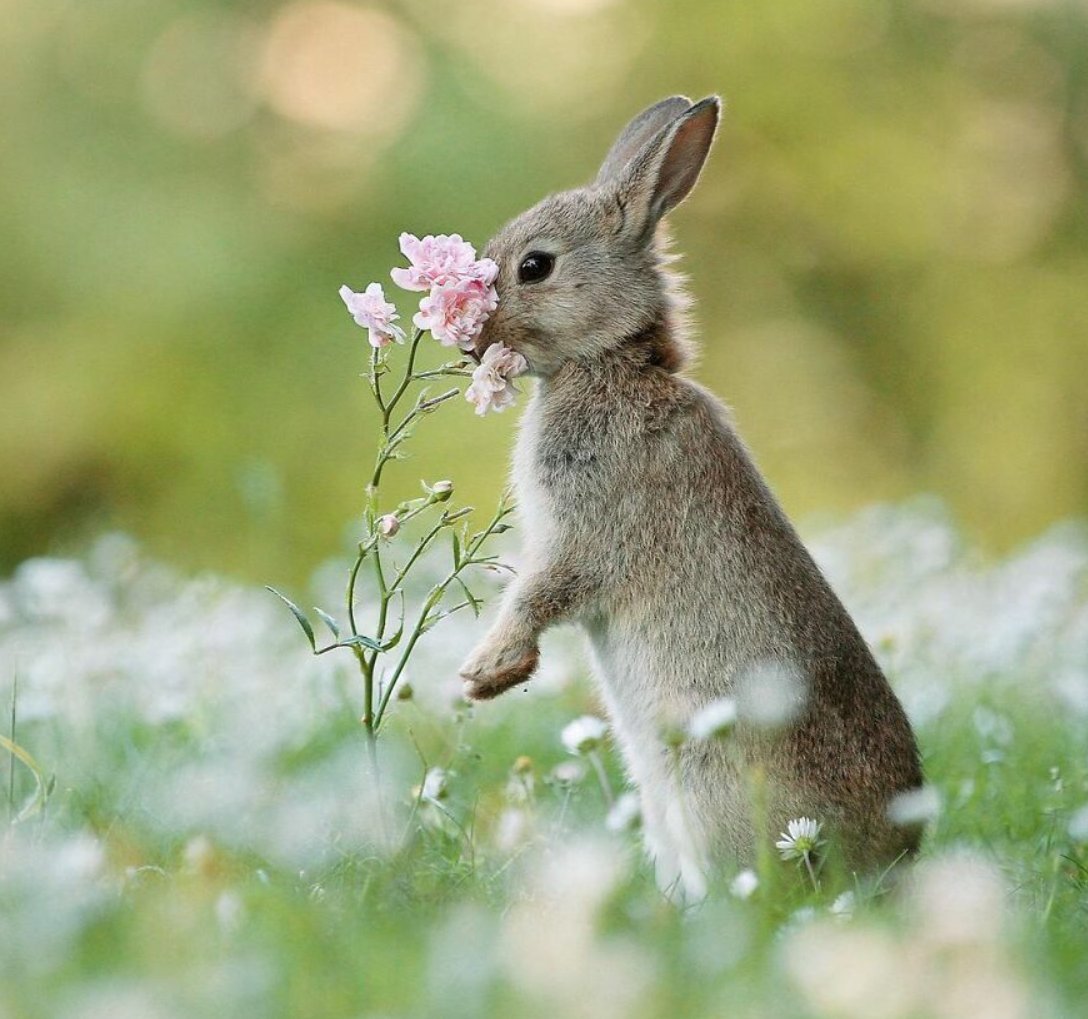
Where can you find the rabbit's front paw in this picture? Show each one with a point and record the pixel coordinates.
(492, 669)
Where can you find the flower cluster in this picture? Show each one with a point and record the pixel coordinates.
(461, 287)
(460, 298)
(492, 388)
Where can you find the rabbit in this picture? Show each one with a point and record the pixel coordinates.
(647, 522)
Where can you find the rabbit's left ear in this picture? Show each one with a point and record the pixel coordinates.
(664, 171)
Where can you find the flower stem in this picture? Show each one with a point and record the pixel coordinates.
(432, 600)
(602, 778)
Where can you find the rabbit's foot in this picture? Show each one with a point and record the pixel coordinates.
(493, 668)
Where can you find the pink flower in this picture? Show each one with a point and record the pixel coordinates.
(491, 388)
(455, 313)
(462, 293)
(441, 261)
(374, 313)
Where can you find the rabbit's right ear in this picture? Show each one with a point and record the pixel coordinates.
(664, 170)
(638, 133)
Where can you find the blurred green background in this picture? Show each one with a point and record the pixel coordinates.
(889, 247)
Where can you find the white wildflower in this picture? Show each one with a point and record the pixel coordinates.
(771, 693)
(435, 785)
(625, 815)
(1078, 825)
(844, 904)
(568, 773)
(800, 840)
(915, 806)
(584, 734)
(714, 720)
(744, 884)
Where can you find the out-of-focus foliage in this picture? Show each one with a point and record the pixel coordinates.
(889, 247)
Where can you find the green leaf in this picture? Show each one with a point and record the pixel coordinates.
(456, 550)
(331, 623)
(393, 641)
(472, 599)
(299, 615)
(357, 641)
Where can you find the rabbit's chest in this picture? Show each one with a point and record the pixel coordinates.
(557, 475)
(564, 466)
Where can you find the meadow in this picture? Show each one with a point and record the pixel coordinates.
(195, 830)
(887, 252)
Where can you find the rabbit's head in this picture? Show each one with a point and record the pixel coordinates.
(582, 272)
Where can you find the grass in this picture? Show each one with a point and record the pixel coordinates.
(210, 841)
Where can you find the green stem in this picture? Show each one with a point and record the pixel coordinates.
(602, 778)
(399, 391)
(432, 600)
(353, 578)
(376, 776)
(386, 452)
(383, 609)
(419, 549)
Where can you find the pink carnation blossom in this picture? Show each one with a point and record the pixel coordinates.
(455, 313)
(492, 388)
(374, 313)
(441, 261)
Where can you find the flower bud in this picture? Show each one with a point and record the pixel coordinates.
(388, 525)
(441, 491)
(405, 692)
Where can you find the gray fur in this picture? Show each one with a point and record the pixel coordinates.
(636, 134)
(647, 522)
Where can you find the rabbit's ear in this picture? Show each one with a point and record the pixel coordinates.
(638, 133)
(665, 169)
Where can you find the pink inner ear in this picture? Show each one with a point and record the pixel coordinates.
(685, 158)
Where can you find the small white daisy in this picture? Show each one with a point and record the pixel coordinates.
(584, 734)
(801, 838)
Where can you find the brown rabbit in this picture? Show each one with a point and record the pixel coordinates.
(647, 522)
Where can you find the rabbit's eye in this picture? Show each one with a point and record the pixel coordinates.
(535, 266)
